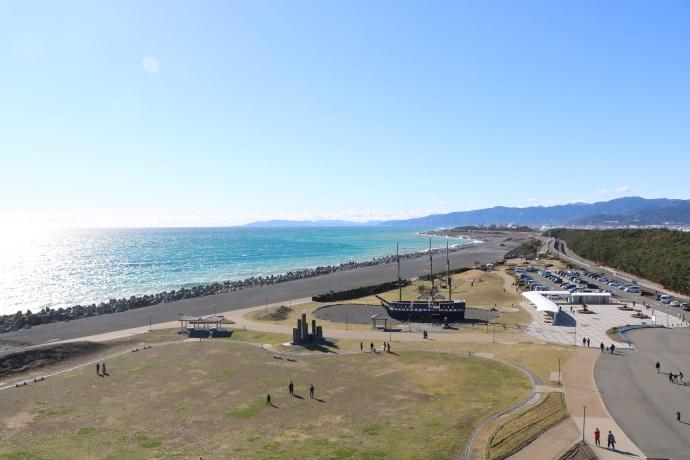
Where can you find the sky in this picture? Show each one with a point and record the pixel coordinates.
(218, 113)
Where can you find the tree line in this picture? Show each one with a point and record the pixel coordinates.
(659, 255)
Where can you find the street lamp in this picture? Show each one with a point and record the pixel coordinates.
(584, 419)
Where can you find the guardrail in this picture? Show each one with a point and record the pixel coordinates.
(635, 326)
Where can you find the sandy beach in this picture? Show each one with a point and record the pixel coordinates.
(489, 251)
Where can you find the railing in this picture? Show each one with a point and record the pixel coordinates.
(634, 326)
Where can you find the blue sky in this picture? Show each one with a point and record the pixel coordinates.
(169, 113)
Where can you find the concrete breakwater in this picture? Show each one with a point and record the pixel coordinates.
(25, 320)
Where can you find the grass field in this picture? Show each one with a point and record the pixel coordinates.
(209, 398)
(487, 293)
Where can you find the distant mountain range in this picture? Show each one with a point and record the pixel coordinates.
(615, 213)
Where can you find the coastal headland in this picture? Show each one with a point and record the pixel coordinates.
(492, 248)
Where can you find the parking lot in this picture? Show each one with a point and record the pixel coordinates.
(571, 327)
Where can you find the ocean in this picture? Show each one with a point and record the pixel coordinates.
(61, 268)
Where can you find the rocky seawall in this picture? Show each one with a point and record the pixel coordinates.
(26, 320)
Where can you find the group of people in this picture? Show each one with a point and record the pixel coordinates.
(384, 347)
(98, 369)
(611, 439)
(291, 389)
(611, 348)
(671, 376)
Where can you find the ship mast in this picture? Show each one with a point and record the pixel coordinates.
(431, 271)
(450, 291)
(397, 256)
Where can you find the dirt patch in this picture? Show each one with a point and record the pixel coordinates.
(26, 360)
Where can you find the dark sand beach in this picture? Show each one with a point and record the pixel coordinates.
(489, 251)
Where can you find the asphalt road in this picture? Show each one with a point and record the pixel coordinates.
(282, 292)
(644, 402)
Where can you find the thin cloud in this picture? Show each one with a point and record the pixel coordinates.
(603, 192)
(438, 202)
(623, 189)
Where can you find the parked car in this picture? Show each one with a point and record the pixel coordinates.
(556, 297)
(675, 303)
(603, 279)
(592, 286)
(623, 287)
(633, 289)
(665, 298)
(614, 283)
(685, 306)
(608, 291)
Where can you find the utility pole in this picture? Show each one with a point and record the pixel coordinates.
(584, 419)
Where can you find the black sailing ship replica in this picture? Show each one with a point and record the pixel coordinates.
(431, 311)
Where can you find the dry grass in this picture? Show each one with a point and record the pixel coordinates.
(527, 426)
(208, 398)
(487, 293)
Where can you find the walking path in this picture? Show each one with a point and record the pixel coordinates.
(578, 378)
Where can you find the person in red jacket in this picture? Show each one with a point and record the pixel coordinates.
(597, 435)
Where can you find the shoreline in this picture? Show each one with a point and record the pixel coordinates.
(27, 319)
(304, 287)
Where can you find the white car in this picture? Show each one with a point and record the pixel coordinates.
(666, 298)
(633, 289)
(675, 303)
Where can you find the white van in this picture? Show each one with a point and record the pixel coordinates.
(666, 298)
(633, 289)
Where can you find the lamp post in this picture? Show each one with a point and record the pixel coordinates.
(584, 419)
(149, 322)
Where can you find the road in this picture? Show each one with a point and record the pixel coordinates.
(643, 402)
(282, 292)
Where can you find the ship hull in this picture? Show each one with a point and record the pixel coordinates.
(425, 312)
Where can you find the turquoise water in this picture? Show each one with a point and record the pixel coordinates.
(61, 268)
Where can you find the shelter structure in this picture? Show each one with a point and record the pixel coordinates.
(544, 304)
(589, 297)
(202, 326)
(377, 319)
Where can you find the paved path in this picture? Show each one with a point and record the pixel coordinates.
(643, 401)
(276, 294)
(570, 328)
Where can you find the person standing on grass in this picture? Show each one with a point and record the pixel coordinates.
(678, 415)
(311, 390)
(104, 373)
(612, 441)
(361, 346)
(291, 387)
(268, 399)
(597, 435)
(98, 368)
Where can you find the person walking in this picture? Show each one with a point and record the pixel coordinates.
(678, 415)
(611, 441)
(268, 400)
(371, 347)
(602, 347)
(613, 347)
(680, 374)
(587, 343)
(658, 367)
(291, 387)
(103, 366)
(597, 435)
(98, 368)
(311, 390)
(389, 350)
(361, 346)
(584, 342)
